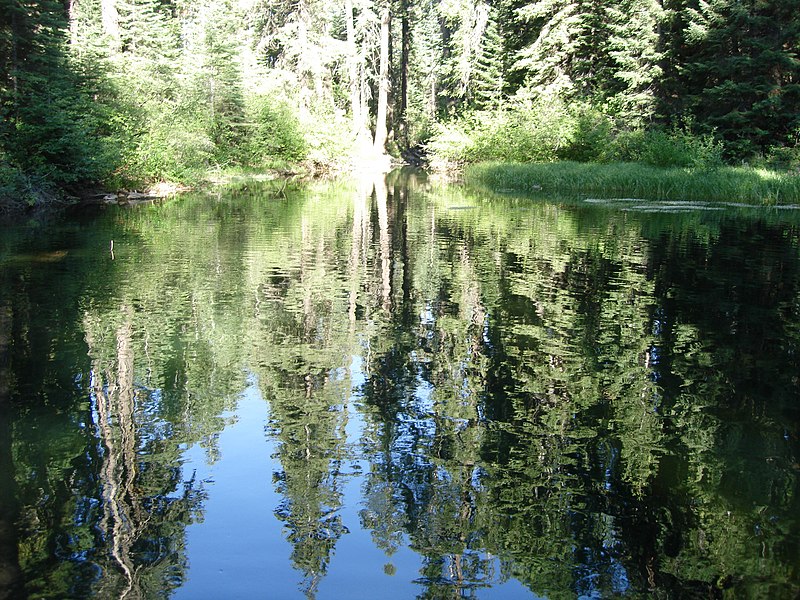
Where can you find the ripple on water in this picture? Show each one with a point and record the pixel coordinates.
(654, 206)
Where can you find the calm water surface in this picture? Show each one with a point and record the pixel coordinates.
(398, 389)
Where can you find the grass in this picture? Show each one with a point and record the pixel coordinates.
(747, 185)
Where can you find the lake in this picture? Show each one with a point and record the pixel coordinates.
(400, 389)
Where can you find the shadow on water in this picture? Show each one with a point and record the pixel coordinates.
(466, 396)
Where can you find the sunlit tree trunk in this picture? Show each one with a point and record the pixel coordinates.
(352, 68)
(72, 6)
(381, 132)
(405, 53)
(110, 20)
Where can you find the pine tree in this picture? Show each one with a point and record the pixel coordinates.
(466, 54)
(150, 46)
(741, 72)
(297, 39)
(489, 80)
(214, 91)
(607, 53)
(48, 127)
(635, 49)
(424, 65)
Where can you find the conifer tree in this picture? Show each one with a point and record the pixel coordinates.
(48, 128)
(636, 54)
(212, 66)
(470, 54)
(489, 79)
(740, 71)
(424, 65)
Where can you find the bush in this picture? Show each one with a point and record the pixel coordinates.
(523, 133)
(20, 191)
(660, 148)
(590, 136)
(784, 157)
(329, 142)
(549, 131)
(164, 148)
(275, 132)
(450, 144)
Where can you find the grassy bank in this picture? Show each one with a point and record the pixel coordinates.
(724, 184)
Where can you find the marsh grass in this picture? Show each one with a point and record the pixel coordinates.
(724, 184)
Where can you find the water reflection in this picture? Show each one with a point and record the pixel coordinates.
(460, 397)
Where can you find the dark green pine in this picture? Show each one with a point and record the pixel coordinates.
(742, 73)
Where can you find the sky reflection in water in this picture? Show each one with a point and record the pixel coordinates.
(353, 391)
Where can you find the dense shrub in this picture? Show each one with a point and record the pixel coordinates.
(550, 131)
(329, 142)
(523, 133)
(20, 190)
(170, 152)
(590, 135)
(275, 132)
(785, 157)
(660, 148)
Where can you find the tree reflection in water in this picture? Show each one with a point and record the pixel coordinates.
(587, 401)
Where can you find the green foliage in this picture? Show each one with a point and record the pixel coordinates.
(525, 132)
(20, 190)
(547, 131)
(471, 69)
(214, 98)
(53, 130)
(632, 180)
(591, 133)
(125, 91)
(275, 132)
(660, 148)
(786, 157)
(741, 74)
(170, 150)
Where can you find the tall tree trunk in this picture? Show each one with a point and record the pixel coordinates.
(352, 67)
(110, 20)
(381, 132)
(405, 53)
(72, 6)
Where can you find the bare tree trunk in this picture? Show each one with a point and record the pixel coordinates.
(381, 132)
(72, 6)
(305, 69)
(110, 19)
(352, 66)
(405, 53)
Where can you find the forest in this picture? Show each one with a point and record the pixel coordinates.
(112, 94)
